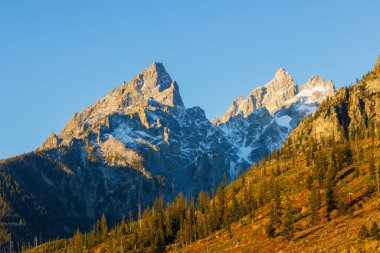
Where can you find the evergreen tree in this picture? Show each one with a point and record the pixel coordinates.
(309, 182)
(364, 233)
(276, 203)
(270, 230)
(375, 231)
(104, 227)
(288, 229)
(314, 202)
(372, 166)
(329, 200)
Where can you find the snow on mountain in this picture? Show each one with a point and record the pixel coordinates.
(143, 127)
(284, 121)
(285, 105)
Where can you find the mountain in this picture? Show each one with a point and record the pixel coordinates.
(144, 125)
(318, 193)
(140, 142)
(261, 123)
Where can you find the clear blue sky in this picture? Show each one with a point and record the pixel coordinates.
(58, 57)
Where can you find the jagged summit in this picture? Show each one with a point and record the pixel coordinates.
(315, 90)
(279, 92)
(154, 76)
(155, 82)
(315, 80)
(281, 73)
(377, 66)
(152, 87)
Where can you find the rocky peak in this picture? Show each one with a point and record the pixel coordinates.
(279, 92)
(272, 96)
(215, 121)
(153, 86)
(156, 83)
(377, 66)
(282, 82)
(316, 89)
(281, 73)
(315, 81)
(232, 110)
(50, 143)
(155, 76)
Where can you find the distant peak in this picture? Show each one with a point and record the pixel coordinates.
(316, 79)
(377, 66)
(157, 67)
(239, 99)
(155, 76)
(215, 121)
(281, 73)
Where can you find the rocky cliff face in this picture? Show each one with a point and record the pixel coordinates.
(353, 113)
(145, 126)
(261, 123)
(140, 142)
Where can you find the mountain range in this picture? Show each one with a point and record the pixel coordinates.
(318, 193)
(140, 142)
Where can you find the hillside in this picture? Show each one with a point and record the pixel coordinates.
(319, 192)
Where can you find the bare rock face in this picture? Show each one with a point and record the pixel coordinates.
(50, 143)
(316, 90)
(376, 69)
(233, 110)
(280, 92)
(262, 122)
(354, 112)
(280, 89)
(143, 127)
(272, 96)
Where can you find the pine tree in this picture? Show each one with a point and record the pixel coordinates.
(309, 182)
(122, 231)
(364, 233)
(104, 227)
(270, 230)
(329, 184)
(375, 231)
(288, 229)
(372, 166)
(158, 235)
(314, 202)
(78, 241)
(276, 203)
(222, 202)
(329, 199)
(227, 220)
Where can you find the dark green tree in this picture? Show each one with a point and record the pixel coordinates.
(375, 231)
(270, 230)
(287, 226)
(104, 227)
(364, 233)
(314, 203)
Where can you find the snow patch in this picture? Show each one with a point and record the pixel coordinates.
(244, 153)
(311, 109)
(284, 121)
